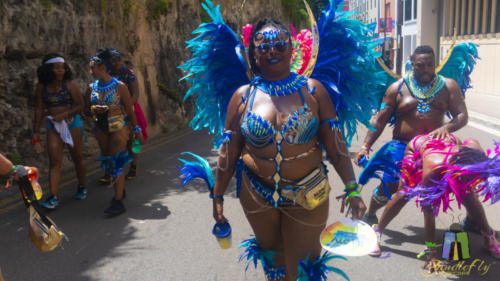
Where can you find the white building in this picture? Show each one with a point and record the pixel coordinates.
(373, 12)
(360, 7)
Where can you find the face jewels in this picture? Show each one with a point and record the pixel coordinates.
(271, 35)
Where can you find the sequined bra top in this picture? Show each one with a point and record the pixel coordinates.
(108, 91)
(59, 98)
(300, 127)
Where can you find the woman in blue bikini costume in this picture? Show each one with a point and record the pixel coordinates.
(61, 98)
(111, 106)
(275, 127)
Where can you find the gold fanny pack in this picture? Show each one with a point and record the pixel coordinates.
(310, 191)
(115, 119)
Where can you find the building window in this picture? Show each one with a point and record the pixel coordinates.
(410, 10)
(407, 9)
(414, 9)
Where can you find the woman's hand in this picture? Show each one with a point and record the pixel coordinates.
(218, 209)
(363, 152)
(59, 117)
(358, 207)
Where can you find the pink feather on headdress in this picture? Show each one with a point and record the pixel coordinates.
(305, 40)
(247, 31)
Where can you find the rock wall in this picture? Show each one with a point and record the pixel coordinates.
(150, 33)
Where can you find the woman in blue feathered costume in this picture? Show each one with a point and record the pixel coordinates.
(274, 141)
(269, 130)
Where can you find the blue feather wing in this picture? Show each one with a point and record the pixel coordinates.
(196, 169)
(347, 68)
(216, 70)
(387, 77)
(459, 64)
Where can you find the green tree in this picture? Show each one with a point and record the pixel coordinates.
(297, 13)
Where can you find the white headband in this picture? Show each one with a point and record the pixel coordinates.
(55, 60)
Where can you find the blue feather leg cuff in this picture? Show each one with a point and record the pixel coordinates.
(254, 254)
(114, 164)
(317, 270)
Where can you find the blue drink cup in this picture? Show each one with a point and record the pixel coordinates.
(222, 232)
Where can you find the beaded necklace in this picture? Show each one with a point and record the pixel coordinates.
(424, 94)
(98, 87)
(284, 87)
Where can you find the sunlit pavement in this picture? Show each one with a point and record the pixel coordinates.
(166, 232)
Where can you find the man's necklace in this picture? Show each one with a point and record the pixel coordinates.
(424, 94)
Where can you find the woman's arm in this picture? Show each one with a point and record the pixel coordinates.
(229, 153)
(126, 103)
(335, 147)
(39, 108)
(134, 91)
(5, 165)
(77, 98)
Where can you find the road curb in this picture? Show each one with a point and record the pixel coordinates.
(485, 123)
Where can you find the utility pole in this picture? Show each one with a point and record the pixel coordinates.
(385, 25)
(399, 40)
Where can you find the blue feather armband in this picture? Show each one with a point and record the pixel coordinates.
(334, 123)
(196, 169)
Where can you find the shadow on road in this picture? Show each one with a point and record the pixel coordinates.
(95, 239)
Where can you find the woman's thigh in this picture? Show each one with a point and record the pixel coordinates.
(54, 146)
(301, 229)
(263, 218)
(118, 141)
(102, 140)
(77, 136)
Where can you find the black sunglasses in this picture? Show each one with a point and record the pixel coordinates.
(280, 46)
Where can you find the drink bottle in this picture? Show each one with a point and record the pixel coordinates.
(37, 144)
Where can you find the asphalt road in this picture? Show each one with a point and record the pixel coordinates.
(166, 232)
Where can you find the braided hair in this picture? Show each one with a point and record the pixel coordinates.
(251, 46)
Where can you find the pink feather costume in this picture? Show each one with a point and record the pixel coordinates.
(464, 170)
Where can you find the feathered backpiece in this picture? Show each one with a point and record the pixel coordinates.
(216, 70)
(347, 67)
(459, 64)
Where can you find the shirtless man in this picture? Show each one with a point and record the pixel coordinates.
(419, 102)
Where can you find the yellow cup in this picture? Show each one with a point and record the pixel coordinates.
(222, 232)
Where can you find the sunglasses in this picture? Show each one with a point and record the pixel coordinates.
(280, 46)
